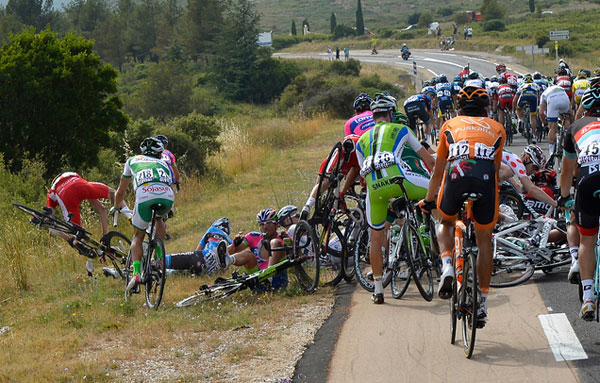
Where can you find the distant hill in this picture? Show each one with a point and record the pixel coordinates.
(277, 15)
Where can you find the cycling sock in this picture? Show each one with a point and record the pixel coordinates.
(551, 148)
(446, 258)
(252, 270)
(574, 250)
(378, 284)
(483, 300)
(229, 260)
(136, 267)
(484, 290)
(310, 202)
(588, 289)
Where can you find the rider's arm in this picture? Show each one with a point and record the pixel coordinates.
(121, 190)
(436, 177)
(579, 113)
(543, 113)
(102, 212)
(566, 175)
(426, 157)
(350, 178)
(536, 192)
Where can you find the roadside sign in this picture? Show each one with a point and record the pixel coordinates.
(415, 68)
(559, 35)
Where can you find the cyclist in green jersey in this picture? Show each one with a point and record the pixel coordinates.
(152, 179)
(380, 156)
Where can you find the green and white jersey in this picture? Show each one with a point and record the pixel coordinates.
(145, 169)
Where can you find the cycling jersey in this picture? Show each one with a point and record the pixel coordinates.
(515, 163)
(152, 178)
(444, 92)
(582, 141)
(473, 147)
(168, 157)
(511, 78)
(528, 93)
(557, 102)
(205, 262)
(565, 83)
(579, 88)
(418, 105)
(68, 190)
(380, 157)
(359, 123)
(474, 82)
(541, 83)
(505, 96)
(254, 241)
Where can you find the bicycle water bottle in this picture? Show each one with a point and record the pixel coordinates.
(459, 267)
(425, 235)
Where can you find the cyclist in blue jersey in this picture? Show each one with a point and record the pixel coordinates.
(446, 97)
(527, 93)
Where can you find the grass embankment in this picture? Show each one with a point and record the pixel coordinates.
(67, 327)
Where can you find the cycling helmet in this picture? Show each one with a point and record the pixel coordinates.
(151, 146)
(362, 100)
(582, 74)
(223, 224)
(383, 103)
(434, 81)
(473, 76)
(266, 215)
(591, 101)
(500, 68)
(426, 83)
(487, 79)
(597, 72)
(587, 72)
(163, 139)
(537, 76)
(562, 71)
(536, 155)
(527, 78)
(457, 78)
(400, 118)
(503, 80)
(494, 79)
(594, 82)
(286, 212)
(473, 98)
(443, 78)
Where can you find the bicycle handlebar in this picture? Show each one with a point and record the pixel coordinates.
(115, 213)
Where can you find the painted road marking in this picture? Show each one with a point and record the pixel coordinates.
(442, 62)
(561, 337)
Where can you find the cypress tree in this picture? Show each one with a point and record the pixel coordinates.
(531, 6)
(360, 23)
(332, 22)
(294, 33)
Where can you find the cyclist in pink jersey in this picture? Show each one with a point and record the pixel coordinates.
(169, 158)
(363, 118)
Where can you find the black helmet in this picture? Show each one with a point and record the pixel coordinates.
(473, 76)
(151, 146)
(473, 99)
(223, 224)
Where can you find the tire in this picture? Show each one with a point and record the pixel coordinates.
(330, 262)
(453, 312)
(117, 249)
(306, 250)
(348, 271)
(559, 257)
(508, 128)
(156, 273)
(47, 220)
(419, 263)
(362, 263)
(324, 198)
(469, 301)
(210, 293)
(401, 271)
(513, 201)
(510, 270)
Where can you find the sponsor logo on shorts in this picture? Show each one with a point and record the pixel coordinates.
(380, 184)
(156, 189)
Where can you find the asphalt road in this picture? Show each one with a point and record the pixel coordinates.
(397, 346)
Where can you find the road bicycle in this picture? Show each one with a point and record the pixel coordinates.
(300, 256)
(527, 123)
(113, 246)
(153, 272)
(520, 248)
(508, 128)
(464, 302)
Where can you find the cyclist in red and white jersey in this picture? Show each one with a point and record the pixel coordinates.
(511, 78)
(564, 80)
(504, 96)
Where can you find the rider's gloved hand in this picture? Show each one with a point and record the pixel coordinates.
(426, 206)
(563, 201)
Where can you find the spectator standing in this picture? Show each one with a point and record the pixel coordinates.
(346, 53)
(465, 31)
(469, 33)
(337, 53)
(454, 29)
(330, 54)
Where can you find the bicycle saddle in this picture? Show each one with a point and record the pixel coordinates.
(472, 196)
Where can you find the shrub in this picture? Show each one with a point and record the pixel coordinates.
(280, 42)
(405, 35)
(494, 25)
(337, 100)
(445, 11)
(541, 40)
(341, 31)
(345, 68)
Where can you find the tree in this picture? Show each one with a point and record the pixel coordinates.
(491, 10)
(36, 13)
(294, 32)
(413, 18)
(342, 30)
(425, 19)
(305, 24)
(58, 101)
(332, 22)
(204, 20)
(531, 6)
(360, 22)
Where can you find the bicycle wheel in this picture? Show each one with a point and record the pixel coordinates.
(306, 252)
(401, 271)
(508, 128)
(419, 262)
(330, 173)
(330, 259)
(117, 247)
(156, 273)
(453, 312)
(210, 293)
(510, 270)
(362, 263)
(513, 201)
(558, 258)
(468, 303)
(46, 220)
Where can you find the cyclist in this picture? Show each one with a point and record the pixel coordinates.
(446, 97)
(419, 106)
(474, 80)
(554, 101)
(505, 95)
(363, 118)
(211, 253)
(563, 79)
(511, 78)
(594, 86)
(527, 93)
(379, 154)
(582, 152)
(580, 85)
(68, 190)
(253, 244)
(152, 179)
(169, 158)
(471, 145)
(539, 80)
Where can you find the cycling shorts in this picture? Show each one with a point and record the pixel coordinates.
(528, 98)
(415, 110)
(380, 191)
(557, 102)
(587, 199)
(72, 192)
(470, 176)
(505, 103)
(446, 106)
(148, 195)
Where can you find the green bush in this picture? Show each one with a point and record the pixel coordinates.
(494, 25)
(280, 42)
(345, 68)
(405, 35)
(341, 31)
(336, 100)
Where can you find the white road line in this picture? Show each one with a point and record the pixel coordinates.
(442, 62)
(432, 72)
(561, 337)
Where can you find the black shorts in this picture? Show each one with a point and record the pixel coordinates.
(446, 106)
(587, 200)
(470, 176)
(416, 110)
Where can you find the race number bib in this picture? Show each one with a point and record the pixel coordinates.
(484, 152)
(383, 160)
(590, 154)
(144, 176)
(459, 150)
